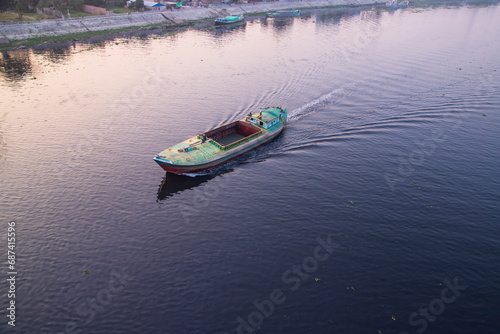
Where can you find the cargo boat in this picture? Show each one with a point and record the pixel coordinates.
(228, 20)
(226, 142)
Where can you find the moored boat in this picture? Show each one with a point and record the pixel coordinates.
(223, 143)
(284, 13)
(394, 4)
(229, 19)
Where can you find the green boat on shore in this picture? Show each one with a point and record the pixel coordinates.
(223, 143)
(229, 20)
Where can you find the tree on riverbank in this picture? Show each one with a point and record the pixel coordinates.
(62, 4)
(4, 5)
(76, 4)
(22, 7)
(137, 4)
(50, 3)
(25, 5)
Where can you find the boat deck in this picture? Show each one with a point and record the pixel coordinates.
(223, 143)
(233, 137)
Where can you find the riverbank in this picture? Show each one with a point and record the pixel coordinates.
(31, 33)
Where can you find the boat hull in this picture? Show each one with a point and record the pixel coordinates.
(223, 143)
(184, 169)
(225, 21)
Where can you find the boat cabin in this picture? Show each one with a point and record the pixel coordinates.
(265, 120)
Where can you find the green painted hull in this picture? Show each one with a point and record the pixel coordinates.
(196, 154)
(228, 20)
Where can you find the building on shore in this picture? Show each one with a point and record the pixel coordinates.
(154, 6)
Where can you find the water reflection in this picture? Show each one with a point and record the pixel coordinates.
(220, 31)
(55, 53)
(55, 45)
(281, 24)
(335, 17)
(3, 144)
(173, 184)
(264, 21)
(15, 65)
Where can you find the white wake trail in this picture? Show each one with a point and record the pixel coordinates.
(335, 96)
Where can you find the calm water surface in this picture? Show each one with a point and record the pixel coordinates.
(376, 210)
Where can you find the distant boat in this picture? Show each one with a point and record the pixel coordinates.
(391, 4)
(229, 20)
(223, 143)
(284, 13)
(395, 4)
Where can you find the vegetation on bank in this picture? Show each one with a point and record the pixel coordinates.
(119, 10)
(19, 10)
(54, 39)
(25, 43)
(14, 16)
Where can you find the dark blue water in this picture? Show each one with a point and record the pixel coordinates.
(375, 211)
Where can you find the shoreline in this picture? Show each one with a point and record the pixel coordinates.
(30, 34)
(101, 28)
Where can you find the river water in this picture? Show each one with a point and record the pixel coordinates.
(375, 211)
